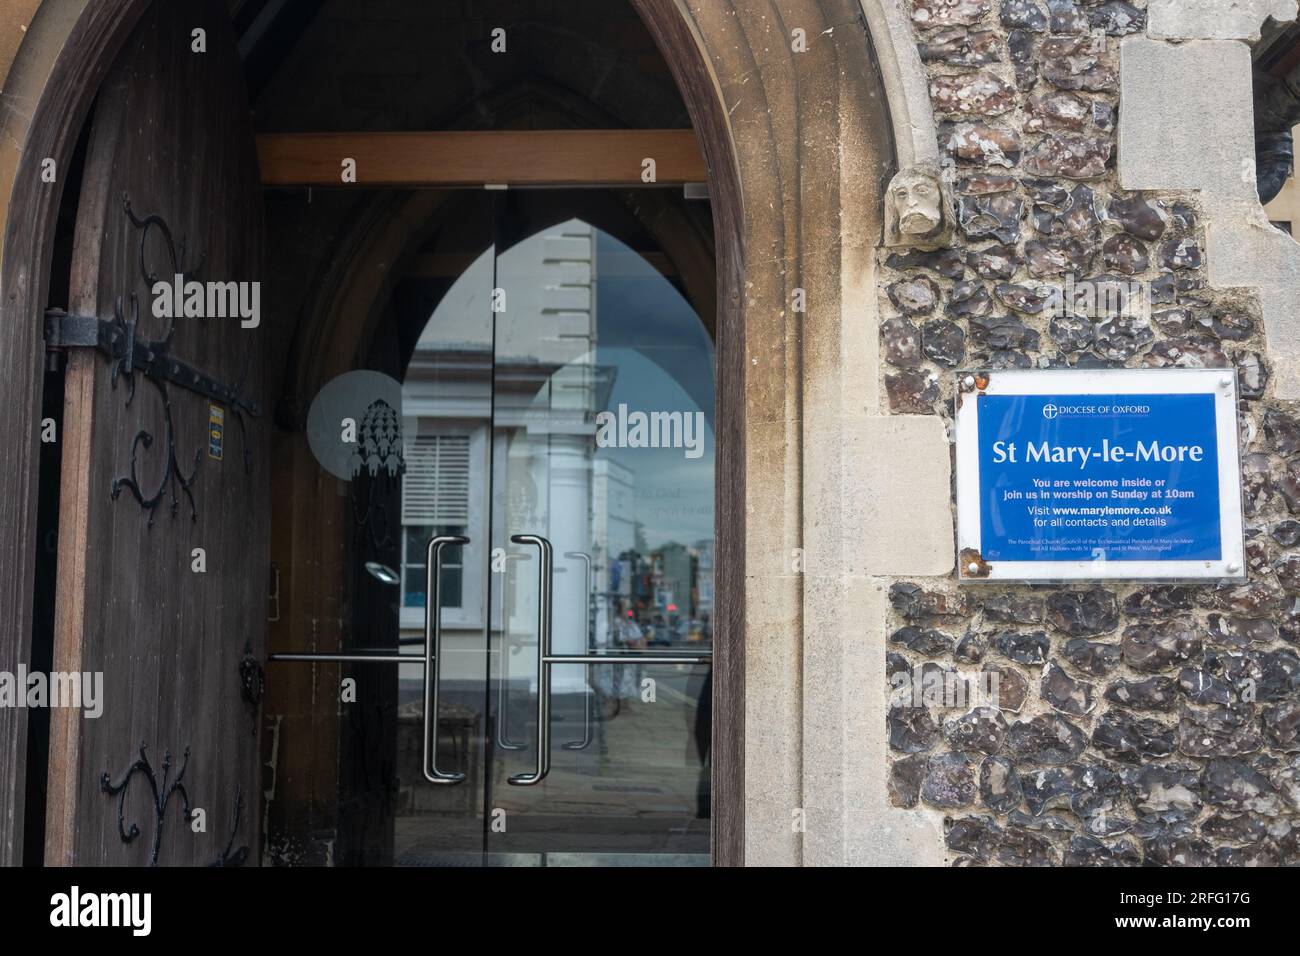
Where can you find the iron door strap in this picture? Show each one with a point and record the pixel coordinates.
(128, 354)
(116, 340)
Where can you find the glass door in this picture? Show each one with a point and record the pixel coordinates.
(446, 517)
(525, 635)
(602, 532)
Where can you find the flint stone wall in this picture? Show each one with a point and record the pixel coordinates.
(1135, 724)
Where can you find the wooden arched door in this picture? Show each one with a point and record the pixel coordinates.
(164, 516)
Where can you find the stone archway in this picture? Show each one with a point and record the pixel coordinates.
(799, 146)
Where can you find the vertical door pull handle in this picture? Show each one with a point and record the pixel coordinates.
(433, 658)
(543, 765)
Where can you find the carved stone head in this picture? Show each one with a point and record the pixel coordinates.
(918, 209)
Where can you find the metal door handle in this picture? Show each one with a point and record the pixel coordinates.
(503, 703)
(503, 697)
(546, 659)
(430, 659)
(585, 742)
(543, 764)
(433, 658)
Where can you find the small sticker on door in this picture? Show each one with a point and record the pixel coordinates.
(216, 431)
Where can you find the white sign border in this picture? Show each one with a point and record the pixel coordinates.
(1222, 383)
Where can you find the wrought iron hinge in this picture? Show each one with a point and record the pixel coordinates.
(116, 339)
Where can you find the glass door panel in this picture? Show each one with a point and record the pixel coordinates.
(602, 393)
(447, 412)
(546, 532)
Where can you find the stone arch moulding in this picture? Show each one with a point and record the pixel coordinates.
(907, 89)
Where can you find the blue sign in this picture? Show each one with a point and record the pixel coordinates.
(1086, 477)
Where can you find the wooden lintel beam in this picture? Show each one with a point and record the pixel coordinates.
(605, 157)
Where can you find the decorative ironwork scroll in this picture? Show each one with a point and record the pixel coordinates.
(161, 791)
(172, 474)
(118, 340)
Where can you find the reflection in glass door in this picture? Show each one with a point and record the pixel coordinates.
(603, 465)
(531, 641)
(447, 428)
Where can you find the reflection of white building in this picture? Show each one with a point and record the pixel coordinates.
(521, 399)
(539, 399)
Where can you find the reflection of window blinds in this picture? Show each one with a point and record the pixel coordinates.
(435, 488)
